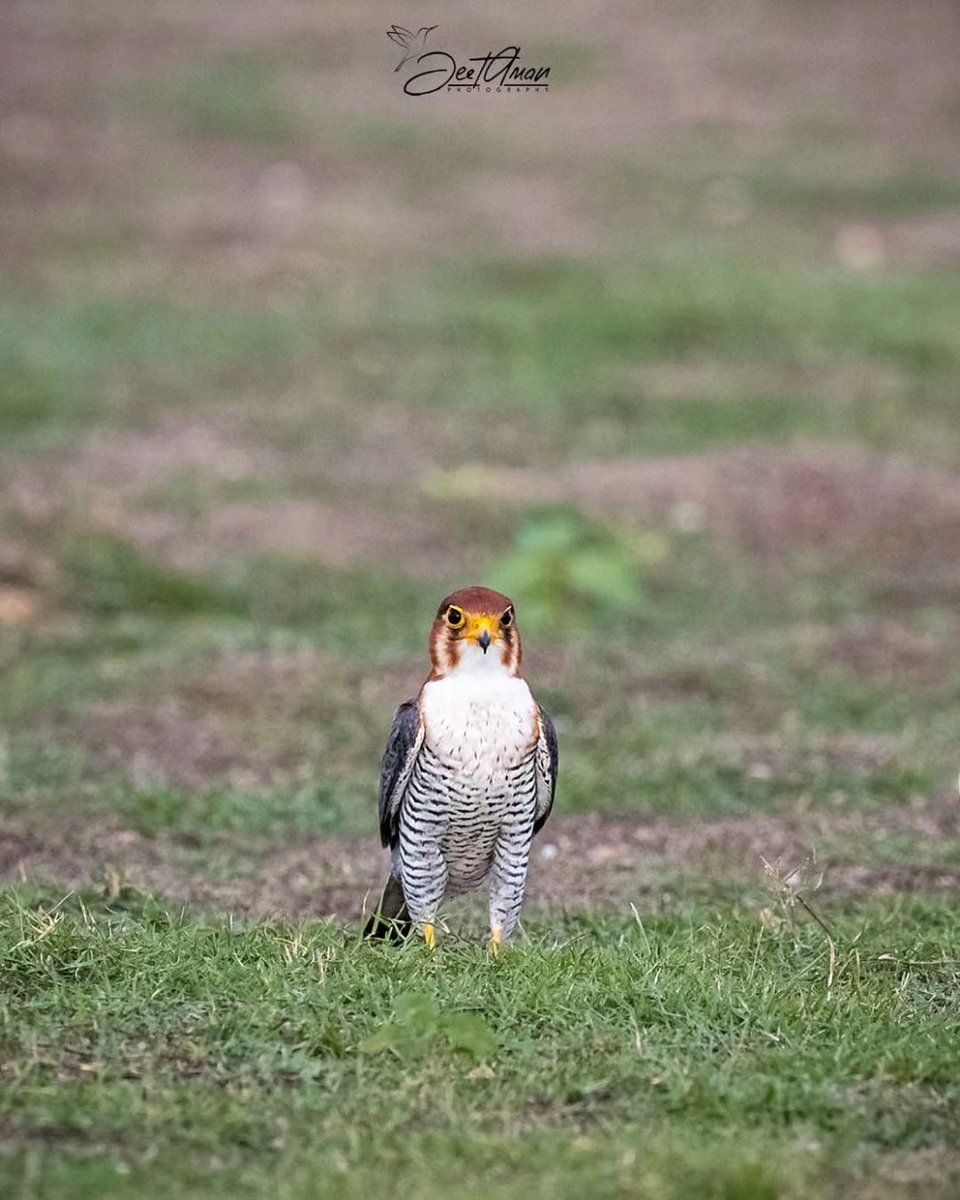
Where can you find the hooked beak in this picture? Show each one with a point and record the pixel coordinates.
(483, 631)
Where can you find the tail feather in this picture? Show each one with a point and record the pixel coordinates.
(391, 921)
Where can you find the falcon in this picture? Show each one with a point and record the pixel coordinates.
(468, 776)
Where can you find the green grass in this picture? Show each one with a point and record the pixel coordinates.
(509, 345)
(106, 577)
(901, 194)
(68, 363)
(575, 62)
(269, 103)
(236, 98)
(550, 345)
(817, 174)
(727, 707)
(152, 1048)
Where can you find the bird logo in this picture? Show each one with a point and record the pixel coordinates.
(412, 43)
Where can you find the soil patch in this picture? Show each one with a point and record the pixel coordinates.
(167, 743)
(887, 650)
(580, 863)
(770, 501)
(339, 534)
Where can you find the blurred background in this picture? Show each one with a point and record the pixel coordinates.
(669, 353)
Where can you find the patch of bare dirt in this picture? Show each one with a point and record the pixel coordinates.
(113, 467)
(173, 743)
(533, 213)
(841, 502)
(921, 241)
(765, 756)
(580, 862)
(889, 650)
(219, 447)
(706, 379)
(254, 683)
(26, 575)
(15, 848)
(293, 683)
(107, 478)
(245, 720)
(311, 877)
(660, 75)
(18, 606)
(339, 534)
(591, 861)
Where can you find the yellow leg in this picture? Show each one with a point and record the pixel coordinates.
(496, 940)
(430, 936)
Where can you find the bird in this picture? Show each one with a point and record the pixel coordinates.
(468, 776)
(412, 43)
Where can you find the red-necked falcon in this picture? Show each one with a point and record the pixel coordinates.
(468, 775)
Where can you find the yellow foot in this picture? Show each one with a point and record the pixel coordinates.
(496, 940)
(430, 936)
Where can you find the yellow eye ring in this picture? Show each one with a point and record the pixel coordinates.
(455, 617)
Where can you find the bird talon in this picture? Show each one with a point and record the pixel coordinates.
(430, 936)
(496, 940)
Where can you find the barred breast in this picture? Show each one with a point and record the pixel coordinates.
(475, 778)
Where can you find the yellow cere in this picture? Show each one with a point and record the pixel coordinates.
(477, 625)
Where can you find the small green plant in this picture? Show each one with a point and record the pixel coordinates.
(419, 1025)
(569, 572)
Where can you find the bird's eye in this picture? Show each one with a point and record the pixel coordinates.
(507, 618)
(455, 617)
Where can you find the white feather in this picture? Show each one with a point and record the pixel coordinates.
(479, 715)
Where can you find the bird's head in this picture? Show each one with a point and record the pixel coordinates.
(475, 629)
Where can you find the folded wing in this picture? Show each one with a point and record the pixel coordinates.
(403, 746)
(547, 765)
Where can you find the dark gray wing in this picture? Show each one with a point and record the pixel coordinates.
(397, 33)
(403, 746)
(547, 763)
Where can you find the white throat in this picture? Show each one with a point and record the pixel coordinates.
(473, 661)
(479, 707)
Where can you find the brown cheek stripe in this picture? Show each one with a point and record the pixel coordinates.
(445, 650)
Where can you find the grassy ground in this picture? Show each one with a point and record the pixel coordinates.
(670, 355)
(604, 1057)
